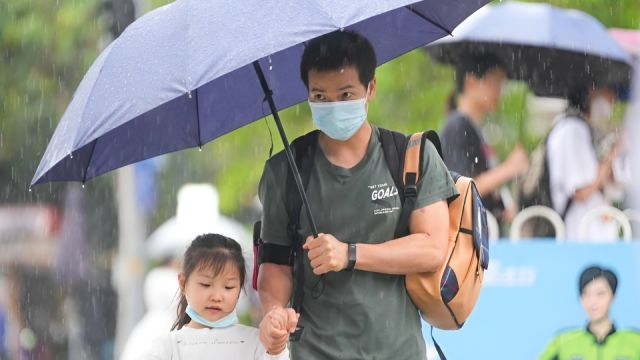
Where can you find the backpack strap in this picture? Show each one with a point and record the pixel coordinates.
(411, 173)
(394, 145)
(405, 159)
(304, 149)
(435, 140)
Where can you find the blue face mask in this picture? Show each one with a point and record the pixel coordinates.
(339, 120)
(226, 321)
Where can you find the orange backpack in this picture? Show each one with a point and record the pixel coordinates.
(446, 297)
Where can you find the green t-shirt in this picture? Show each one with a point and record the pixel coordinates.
(580, 344)
(353, 315)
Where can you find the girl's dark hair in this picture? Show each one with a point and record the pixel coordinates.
(336, 50)
(210, 252)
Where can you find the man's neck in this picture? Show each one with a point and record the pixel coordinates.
(347, 154)
(600, 328)
(472, 110)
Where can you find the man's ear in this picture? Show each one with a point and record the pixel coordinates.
(182, 281)
(372, 89)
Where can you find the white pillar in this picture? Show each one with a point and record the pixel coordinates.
(129, 265)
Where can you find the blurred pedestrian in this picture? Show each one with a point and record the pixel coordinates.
(479, 81)
(576, 175)
(160, 296)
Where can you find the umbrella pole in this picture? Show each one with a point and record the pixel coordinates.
(298, 292)
(287, 148)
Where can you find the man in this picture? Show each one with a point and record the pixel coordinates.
(479, 86)
(362, 310)
(599, 339)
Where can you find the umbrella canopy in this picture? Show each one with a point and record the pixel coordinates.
(184, 74)
(552, 49)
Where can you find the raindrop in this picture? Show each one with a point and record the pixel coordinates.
(29, 188)
(476, 159)
(71, 155)
(189, 94)
(83, 185)
(200, 148)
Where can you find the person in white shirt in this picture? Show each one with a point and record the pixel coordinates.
(576, 175)
(207, 326)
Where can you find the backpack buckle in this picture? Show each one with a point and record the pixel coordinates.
(410, 191)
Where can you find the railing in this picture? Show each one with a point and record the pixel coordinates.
(606, 212)
(533, 212)
(622, 218)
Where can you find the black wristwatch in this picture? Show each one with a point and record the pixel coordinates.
(352, 257)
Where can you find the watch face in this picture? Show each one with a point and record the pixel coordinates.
(352, 257)
(480, 229)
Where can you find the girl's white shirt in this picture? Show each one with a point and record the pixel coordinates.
(234, 342)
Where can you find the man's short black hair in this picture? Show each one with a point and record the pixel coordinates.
(595, 272)
(477, 64)
(336, 50)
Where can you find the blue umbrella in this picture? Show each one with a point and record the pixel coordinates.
(194, 70)
(554, 50)
(184, 74)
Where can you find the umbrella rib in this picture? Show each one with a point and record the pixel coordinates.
(425, 18)
(198, 118)
(86, 170)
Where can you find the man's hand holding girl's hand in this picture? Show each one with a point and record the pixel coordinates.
(275, 327)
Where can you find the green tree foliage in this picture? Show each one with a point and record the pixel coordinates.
(45, 49)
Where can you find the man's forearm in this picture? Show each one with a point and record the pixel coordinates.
(411, 254)
(424, 250)
(275, 283)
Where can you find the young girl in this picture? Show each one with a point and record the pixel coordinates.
(207, 326)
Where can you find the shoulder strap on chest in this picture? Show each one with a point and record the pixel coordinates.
(394, 145)
(405, 158)
(304, 149)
